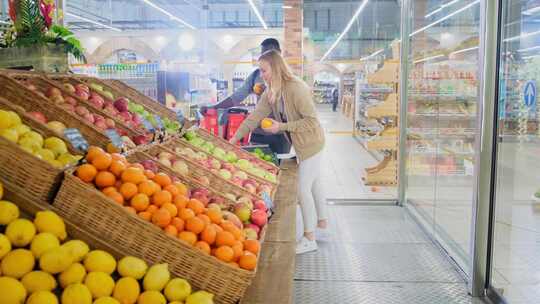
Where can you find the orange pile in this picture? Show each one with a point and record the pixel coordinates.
(155, 198)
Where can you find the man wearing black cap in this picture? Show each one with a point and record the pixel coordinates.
(278, 143)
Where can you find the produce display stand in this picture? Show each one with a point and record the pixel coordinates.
(273, 282)
(24, 172)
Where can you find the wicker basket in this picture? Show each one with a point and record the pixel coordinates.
(100, 216)
(43, 84)
(217, 183)
(30, 101)
(178, 142)
(58, 80)
(119, 88)
(222, 143)
(23, 172)
(138, 156)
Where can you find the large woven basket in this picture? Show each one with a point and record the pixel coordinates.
(24, 173)
(43, 84)
(139, 156)
(180, 142)
(100, 216)
(217, 183)
(241, 153)
(119, 88)
(30, 101)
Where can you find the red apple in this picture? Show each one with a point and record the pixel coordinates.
(259, 218)
(89, 118)
(96, 100)
(110, 123)
(260, 205)
(82, 87)
(100, 125)
(53, 91)
(250, 188)
(81, 111)
(68, 107)
(140, 140)
(82, 94)
(70, 100)
(69, 87)
(125, 116)
(121, 104)
(38, 116)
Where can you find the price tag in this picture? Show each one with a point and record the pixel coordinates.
(159, 122)
(76, 139)
(115, 138)
(147, 125)
(267, 200)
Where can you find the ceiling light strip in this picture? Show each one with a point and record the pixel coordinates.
(445, 18)
(372, 55)
(465, 50)
(93, 22)
(173, 17)
(429, 58)
(442, 7)
(524, 35)
(347, 28)
(257, 13)
(529, 49)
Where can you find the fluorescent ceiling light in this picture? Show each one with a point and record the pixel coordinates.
(173, 17)
(286, 6)
(442, 7)
(372, 55)
(532, 10)
(257, 13)
(529, 49)
(465, 50)
(429, 58)
(524, 35)
(93, 22)
(445, 18)
(347, 28)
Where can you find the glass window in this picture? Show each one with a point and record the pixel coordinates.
(441, 119)
(516, 249)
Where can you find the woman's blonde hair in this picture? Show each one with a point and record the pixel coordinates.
(281, 72)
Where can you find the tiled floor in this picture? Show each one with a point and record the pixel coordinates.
(345, 160)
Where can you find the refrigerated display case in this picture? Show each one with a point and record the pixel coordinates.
(442, 98)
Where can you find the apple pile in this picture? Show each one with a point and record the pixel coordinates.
(226, 170)
(253, 215)
(229, 157)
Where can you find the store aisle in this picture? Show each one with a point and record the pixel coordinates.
(345, 160)
(376, 254)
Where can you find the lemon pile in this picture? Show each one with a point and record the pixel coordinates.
(38, 266)
(52, 149)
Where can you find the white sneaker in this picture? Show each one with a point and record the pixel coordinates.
(305, 245)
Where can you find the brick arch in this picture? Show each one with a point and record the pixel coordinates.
(107, 48)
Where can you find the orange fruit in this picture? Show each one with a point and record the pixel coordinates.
(224, 253)
(140, 202)
(195, 205)
(162, 179)
(218, 228)
(203, 246)
(86, 173)
(188, 237)
(180, 201)
(161, 218)
(178, 223)
(224, 238)
(205, 219)
(195, 225)
(111, 148)
(182, 189)
(215, 216)
(149, 174)
(238, 249)
(130, 210)
(133, 175)
(238, 234)
(93, 152)
(227, 225)
(248, 262)
(105, 179)
(128, 190)
(172, 189)
(147, 187)
(152, 209)
(171, 230)
(117, 167)
(252, 246)
(161, 197)
(186, 214)
(102, 161)
(118, 157)
(145, 215)
(108, 190)
(116, 197)
(209, 234)
(171, 208)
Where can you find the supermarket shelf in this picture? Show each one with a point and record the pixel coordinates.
(446, 116)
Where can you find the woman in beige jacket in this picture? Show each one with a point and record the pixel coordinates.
(289, 99)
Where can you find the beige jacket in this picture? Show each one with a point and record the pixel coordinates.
(302, 122)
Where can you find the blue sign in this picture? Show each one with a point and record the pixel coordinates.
(267, 200)
(115, 138)
(77, 140)
(529, 94)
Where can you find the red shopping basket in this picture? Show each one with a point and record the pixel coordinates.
(209, 122)
(235, 117)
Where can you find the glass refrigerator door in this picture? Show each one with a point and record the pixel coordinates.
(441, 119)
(515, 267)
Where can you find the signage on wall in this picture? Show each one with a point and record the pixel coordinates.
(529, 94)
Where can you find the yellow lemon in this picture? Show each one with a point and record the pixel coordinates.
(74, 274)
(99, 260)
(76, 294)
(48, 221)
(38, 281)
(157, 277)
(100, 284)
(43, 242)
(55, 260)
(11, 291)
(266, 123)
(20, 232)
(200, 297)
(126, 290)
(106, 300)
(6, 119)
(8, 212)
(177, 290)
(77, 249)
(151, 297)
(42, 297)
(132, 267)
(5, 245)
(17, 263)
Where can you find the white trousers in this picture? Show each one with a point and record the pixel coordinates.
(311, 193)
